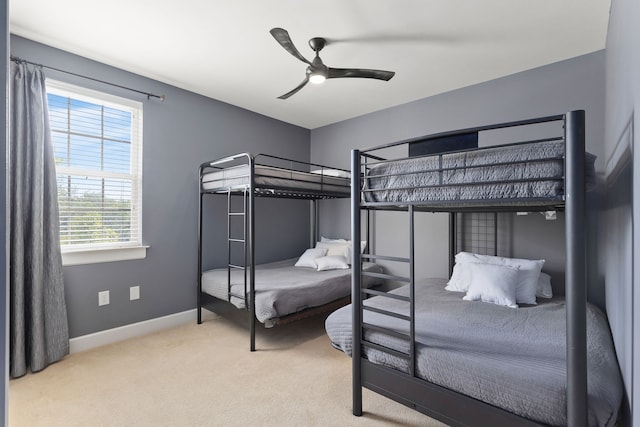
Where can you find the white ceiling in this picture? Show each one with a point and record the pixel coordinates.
(222, 48)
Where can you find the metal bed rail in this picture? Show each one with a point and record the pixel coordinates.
(436, 181)
(546, 119)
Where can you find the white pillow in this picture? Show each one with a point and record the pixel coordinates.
(309, 257)
(529, 273)
(363, 244)
(339, 248)
(493, 283)
(332, 262)
(544, 289)
(458, 281)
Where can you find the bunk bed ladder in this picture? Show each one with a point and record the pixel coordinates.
(232, 241)
(359, 293)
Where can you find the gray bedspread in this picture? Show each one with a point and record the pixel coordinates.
(511, 358)
(283, 289)
(478, 175)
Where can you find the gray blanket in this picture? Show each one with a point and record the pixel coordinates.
(511, 358)
(283, 289)
(533, 171)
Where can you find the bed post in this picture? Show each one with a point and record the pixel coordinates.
(199, 284)
(252, 257)
(356, 296)
(575, 276)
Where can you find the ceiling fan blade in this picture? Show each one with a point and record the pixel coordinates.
(335, 73)
(300, 86)
(282, 36)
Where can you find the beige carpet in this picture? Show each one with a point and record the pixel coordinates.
(204, 375)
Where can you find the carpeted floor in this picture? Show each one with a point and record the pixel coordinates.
(205, 375)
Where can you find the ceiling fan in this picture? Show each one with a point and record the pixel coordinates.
(317, 72)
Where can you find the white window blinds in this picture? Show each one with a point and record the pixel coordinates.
(97, 140)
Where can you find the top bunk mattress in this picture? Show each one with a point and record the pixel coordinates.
(520, 174)
(270, 177)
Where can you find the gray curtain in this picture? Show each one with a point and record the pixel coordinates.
(39, 332)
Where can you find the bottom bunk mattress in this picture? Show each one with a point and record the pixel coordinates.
(283, 289)
(512, 358)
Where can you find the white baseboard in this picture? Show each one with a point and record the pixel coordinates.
(87, 342)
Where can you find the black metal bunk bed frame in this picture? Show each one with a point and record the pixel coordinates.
(446, 405)
(249, 191)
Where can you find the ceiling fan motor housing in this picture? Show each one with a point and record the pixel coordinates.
(317, 43)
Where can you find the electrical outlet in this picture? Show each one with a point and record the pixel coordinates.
(134, 293)
(103, 298)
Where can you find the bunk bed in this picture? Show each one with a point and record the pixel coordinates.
(277, 292)
(476, 363)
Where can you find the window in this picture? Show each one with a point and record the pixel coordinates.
(97, 142)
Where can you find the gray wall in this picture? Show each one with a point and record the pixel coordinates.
(622, 242)
(576, 83)
(179, 134)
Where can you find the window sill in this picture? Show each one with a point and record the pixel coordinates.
(94, 256)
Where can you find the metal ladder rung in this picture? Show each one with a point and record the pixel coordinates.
(237, 240)
(385, 258)
(237, 214)
(387, 313)
(386, 276)
(386, 350)
(387, 331)
(239, 267)
(384, 294)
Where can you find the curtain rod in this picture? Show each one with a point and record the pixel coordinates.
(149, 95)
